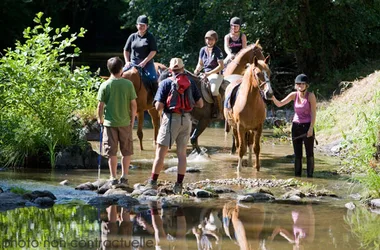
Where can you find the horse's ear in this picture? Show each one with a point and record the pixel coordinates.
(159, 70)
(257, 42)
(267, 59)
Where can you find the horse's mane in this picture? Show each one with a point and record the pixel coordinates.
(249, 73)
(250, 47)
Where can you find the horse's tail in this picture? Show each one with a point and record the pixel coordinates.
(227, 128)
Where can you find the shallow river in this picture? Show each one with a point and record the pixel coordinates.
(204, 224)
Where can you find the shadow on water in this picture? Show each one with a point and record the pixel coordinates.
(205, 223)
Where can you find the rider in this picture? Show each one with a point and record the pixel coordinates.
(234, 41)
(140, 49)
(211, 59)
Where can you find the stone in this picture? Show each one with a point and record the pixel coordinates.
(64, 183)
(261, 196)
(245, 198)
(294, 192)
(11, 201)
(102, 201)
(39, 194)
(85, 186)
(113, 192)
(1, 190)
(99, 183)
(375, 203)
(127, 201)
(105, 187)
(200, 193)
(188, 170)
(44, 201)
(350, 206)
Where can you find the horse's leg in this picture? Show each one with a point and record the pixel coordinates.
(199, 128)
(155, 116)
(256, 147)
(140, 122)
(235, 141)
(242, 147)
(250, 135)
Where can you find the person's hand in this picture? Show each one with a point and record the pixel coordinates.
(101, 121)
(202, 75)
(127, 64)
(309, 132)
(142, 64)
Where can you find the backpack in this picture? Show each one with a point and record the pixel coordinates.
(180, 99)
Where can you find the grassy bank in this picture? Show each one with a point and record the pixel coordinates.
(352, 119)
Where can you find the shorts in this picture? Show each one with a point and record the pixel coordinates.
(112, 136)
(179, 130)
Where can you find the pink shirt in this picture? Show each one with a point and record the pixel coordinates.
(302, 110)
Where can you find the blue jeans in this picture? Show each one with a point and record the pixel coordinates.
(149, 70)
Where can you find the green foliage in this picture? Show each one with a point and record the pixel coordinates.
(39, 92)
(365, 226)
(19, 190)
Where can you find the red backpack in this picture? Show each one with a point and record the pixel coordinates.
(180, 99)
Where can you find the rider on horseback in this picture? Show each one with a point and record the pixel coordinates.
(211, 60)
(139, 50)
(234, 41)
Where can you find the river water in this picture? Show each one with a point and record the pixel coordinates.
(203, 224)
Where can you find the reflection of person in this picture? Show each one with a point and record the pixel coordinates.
(207, 233)
(174, 126)
(211, 60)
(141, 48)
(234, 41)
(303, 228)
(303, 123)
(117, 110)
(117, 229)
(247, 224)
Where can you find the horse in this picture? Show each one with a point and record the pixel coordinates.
(144, 101)
(245, 111)
(238, 65)
(201, 116)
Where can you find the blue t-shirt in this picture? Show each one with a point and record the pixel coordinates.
(164, 90)
(140, 46)
(210, 62)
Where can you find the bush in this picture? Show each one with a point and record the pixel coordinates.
(39, 92)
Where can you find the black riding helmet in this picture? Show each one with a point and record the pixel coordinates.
(235, 21)
(301, 78)
(143, 19)
(212, 34)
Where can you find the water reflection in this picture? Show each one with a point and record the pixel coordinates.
(226, 225)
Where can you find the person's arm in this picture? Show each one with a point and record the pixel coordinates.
(147, 59)
(199, 103)
(127, 57)
(226, 48)
(100, 112)
(159, 106)
(133, 111)
(199, 66)
(217, 69)
(284, 101)
(244, 41)
(313, 106)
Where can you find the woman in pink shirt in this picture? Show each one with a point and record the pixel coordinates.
(303, 123)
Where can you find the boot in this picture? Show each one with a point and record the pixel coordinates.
(298, 167)
(217, 109)
(310, 166)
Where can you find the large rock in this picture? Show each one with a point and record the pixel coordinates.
(44, 202)
(10, 201)
(86, 186)
(39, 194)
(375, 203)
(102, 201)
(254, 197)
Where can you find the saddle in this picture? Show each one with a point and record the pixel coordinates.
(230, 100)
(150, 86)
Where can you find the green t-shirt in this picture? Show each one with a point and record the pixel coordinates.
(117, 95)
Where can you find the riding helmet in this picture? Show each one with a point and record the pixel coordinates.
(143, 19)
(235, 21)
(212, 34)
(301, 78)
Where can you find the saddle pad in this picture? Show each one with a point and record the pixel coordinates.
(206, 92)
(229, 102)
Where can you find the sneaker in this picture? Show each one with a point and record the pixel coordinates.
(152, 184)
(123, 182)
(177, 189)
(114, 182)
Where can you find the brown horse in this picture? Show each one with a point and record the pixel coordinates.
(247, 113)
(144, 101)
(245, 56)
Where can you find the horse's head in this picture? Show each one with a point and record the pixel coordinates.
(244, 57)
(260, 72)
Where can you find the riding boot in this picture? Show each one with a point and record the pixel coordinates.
(310, 166)
(217, 109)
(154, 85)
(298, 167)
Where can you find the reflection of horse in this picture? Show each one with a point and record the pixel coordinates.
(144, 101)
(245, 56)
(247, 224)
(245, 111)
(201, 116)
